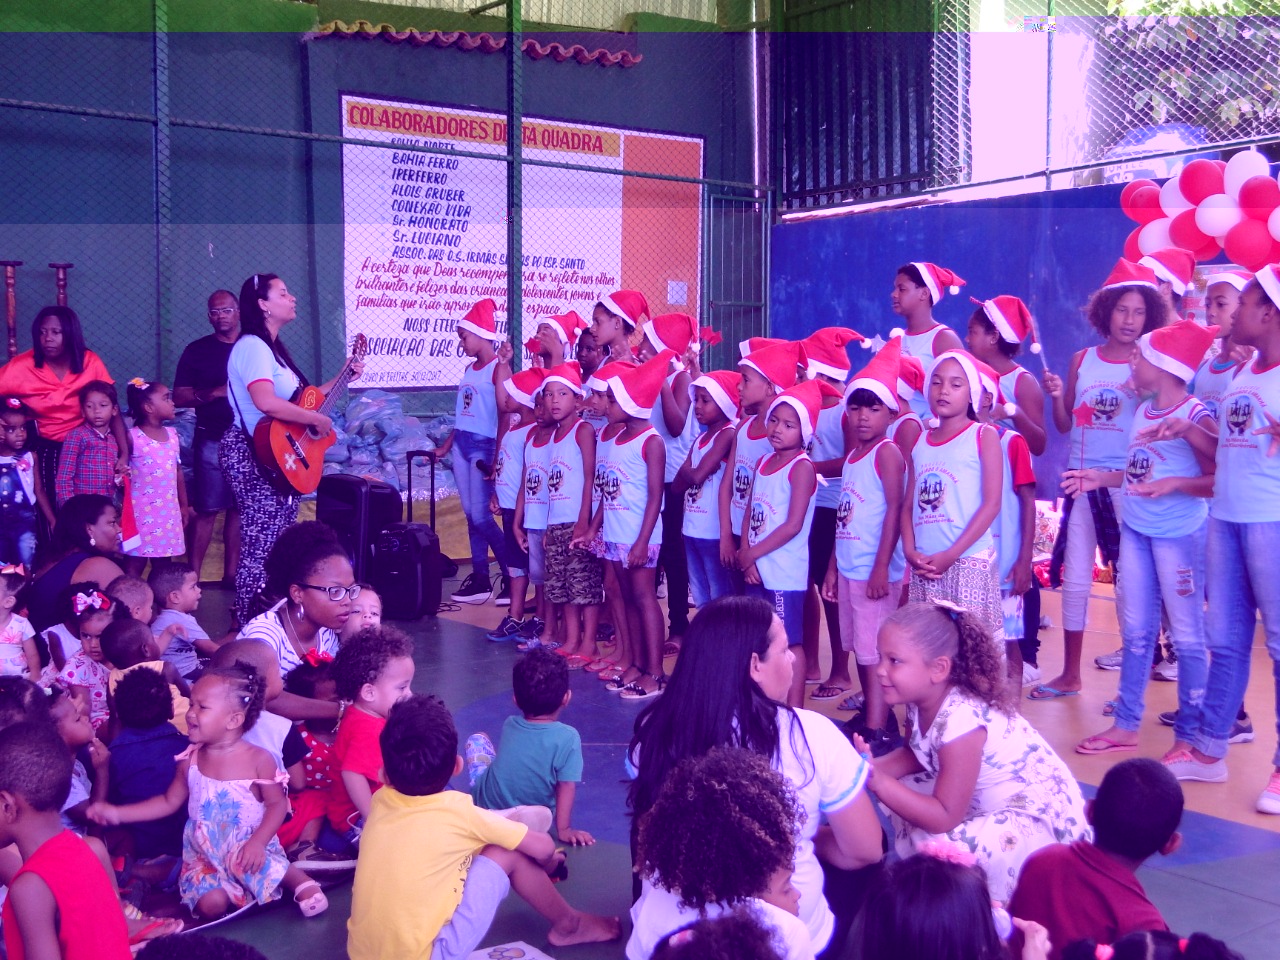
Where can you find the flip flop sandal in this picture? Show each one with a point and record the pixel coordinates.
(313, 905)
(600, 664)
(576, 662)
(855, 701)
(1109, 708)
(158, 927)
(1046, 692)
(826, 691)
(1108, 746)
(619, 684)
(670, 649)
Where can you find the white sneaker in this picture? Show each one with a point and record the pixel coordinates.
(1030, 674)
(1186, 767)
(1166, 670)
(1109, 661)
(1269, 799)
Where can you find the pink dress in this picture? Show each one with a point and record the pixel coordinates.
(154, 475)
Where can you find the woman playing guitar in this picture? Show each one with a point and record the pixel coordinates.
(261, 380)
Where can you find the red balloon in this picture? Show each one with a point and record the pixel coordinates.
(1132, 187)
(1249, 244)
(1208, 251)
(1185, 234)
(1259, 196)
(1200, 179)
(1144, 205)
(1220, 164)
(1131, 251)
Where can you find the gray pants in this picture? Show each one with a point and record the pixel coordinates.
(485, 889)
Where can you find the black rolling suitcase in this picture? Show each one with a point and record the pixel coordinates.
(358, 510)
(407, 568)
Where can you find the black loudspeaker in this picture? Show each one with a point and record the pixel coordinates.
(407, 571)
(358, 510)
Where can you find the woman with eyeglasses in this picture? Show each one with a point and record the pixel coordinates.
(261, 380)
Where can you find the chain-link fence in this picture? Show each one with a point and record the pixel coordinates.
(1058, 93)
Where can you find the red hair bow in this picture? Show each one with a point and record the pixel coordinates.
(15, 568)
(83, 601)
(315, 656)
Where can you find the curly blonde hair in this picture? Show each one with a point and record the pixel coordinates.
(977, 664)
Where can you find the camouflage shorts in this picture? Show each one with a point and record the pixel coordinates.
(573, 575)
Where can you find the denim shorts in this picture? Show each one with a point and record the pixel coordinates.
(211, 493)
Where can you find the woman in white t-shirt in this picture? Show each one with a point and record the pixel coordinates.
(728, 689)
(261, 380)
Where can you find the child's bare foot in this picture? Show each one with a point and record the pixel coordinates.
(584, 928)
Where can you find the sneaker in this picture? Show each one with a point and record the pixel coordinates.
(531, 627)
(533, 817)
(1166, 670)
(1109, 661)
(1269, 799)
(503, 596)
(662, 584)
(1169, 718)
(509, 629)
(1186, 767)
(881, 742)
(472, 590)
(479, 754)
(1241, 730)
(1030, 674)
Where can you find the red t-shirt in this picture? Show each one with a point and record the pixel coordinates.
(90, 922)
(356, 749)
(1078, 892)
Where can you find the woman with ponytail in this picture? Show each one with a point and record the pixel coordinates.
(973, 772)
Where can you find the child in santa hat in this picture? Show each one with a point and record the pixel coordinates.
(1095, 405)
(907, 427)
(1175, 269)
(774, 550)
(767, 371)
(917, 288)
(508, 474)
(574, 586)
(475, 437)
(715, 407)
(533, 504)
(627, 519)
(1221, 297)
(826, 359)
(867, 572)
(996, 333)
(1163, 534)
(614, 320)
(954, 481)
(557, 337)
(1015, 527)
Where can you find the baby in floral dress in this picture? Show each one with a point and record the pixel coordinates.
(973, 771)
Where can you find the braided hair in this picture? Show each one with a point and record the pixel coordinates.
(944, 630)
(246, 686)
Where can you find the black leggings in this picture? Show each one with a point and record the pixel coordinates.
(673, 560)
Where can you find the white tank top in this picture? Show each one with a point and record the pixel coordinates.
(626, 490)
(1100, 384)
(747, 453)
(564, 478)
(828, 444)
(786, 568)
(1247, 485)
(1211, 383)
(1175, 514)
(948, 492)
(1009, 387)
(476, 409)
(537, 464)
(597, 423)
(678, 445)
(509, 465)
(860, 519)
(920, 345)
(702, 500)
(602, 448)
(911, 417)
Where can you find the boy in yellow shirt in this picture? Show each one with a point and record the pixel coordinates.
(433, 866)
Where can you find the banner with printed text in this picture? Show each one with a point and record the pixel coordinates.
(426, 233)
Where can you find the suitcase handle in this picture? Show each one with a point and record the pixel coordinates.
(430, 457)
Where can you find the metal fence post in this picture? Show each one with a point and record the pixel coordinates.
(515, 184)
(163, 183)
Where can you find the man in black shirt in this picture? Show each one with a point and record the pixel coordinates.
(201, 382)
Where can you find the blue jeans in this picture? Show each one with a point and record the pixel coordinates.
(708, 577)
(1242, 582)
(788, 605)
(1168, 569)
(474, 490)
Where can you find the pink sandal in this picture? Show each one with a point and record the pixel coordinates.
(313, 905)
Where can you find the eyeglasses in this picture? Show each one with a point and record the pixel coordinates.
(335, 593)
(222, 311)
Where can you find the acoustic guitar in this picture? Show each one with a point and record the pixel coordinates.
(293, 455)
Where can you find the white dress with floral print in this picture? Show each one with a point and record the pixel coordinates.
(1025, 797)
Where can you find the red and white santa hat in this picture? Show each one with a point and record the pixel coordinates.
(480, 319)
(1234, 278)
(969, 364)
(1178, 348)
(1001, 407)
(1174, 266)
(881, 376)
(567, 373)
(778, 363)
(630, 305)
(806, 400)
(523, 387)
(825, 354)
(910, 376)
(599, 381)
(637, 389)
(752, 344)
(672, 331)
(1126, 273)
(939, 280)
(1011, 318)
(1269, 279)
(567, 326)
(723, 387)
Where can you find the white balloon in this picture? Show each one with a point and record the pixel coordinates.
(1172, 202)
(1155, 236)
(1273, 224)
(1240, 168)
(1217, 214)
